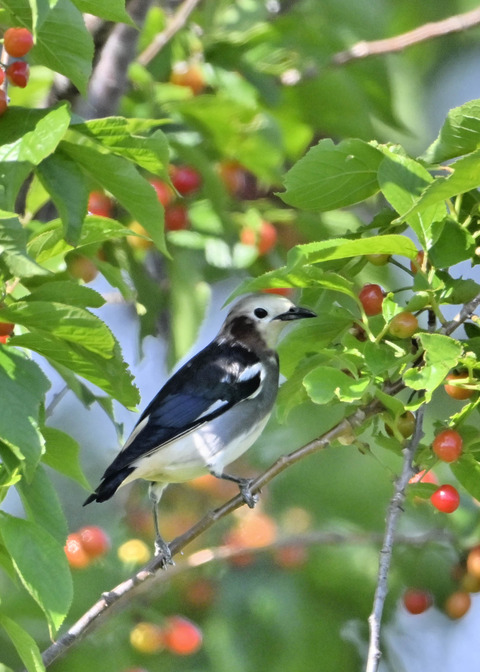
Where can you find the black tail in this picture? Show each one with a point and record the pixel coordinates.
(109, 486)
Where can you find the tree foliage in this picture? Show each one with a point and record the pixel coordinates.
(324, 153)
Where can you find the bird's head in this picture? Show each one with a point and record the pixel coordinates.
(262, 315)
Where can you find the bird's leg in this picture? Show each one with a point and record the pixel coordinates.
(161, 546)
(245, 485)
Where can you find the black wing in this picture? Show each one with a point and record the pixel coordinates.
(209, 384)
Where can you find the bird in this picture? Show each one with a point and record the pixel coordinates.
(210, 411)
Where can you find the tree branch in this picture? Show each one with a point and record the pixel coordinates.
(429, 31)
(395, 508)
(465, 314)
(176, 23)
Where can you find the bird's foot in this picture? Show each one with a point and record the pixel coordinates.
(245, 485)
(163, 549)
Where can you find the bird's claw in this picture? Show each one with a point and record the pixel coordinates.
(163, 549)
(249, 498)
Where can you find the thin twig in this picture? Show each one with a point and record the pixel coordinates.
(465, 314)
(394, 509)
(176, 23)
(429, 31)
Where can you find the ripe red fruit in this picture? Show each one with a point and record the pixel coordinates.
(403, 325)
(190, 75)
(424, 476)
(473, 562)
(446, 499)
(264, 238)
(99, 204)
(416, 600)
(181, 636)
(447, 445)
(455, 391)
(6, 328)
(417, 263)
(2, 75)
(94, 540)
(457, 604)
(233, 176)
(3, 102)
(371, 298)
(281, 291)
(76, 555)
(176, 218)
(17, 41)
(164, 193)
(18, 74)
(186, 180)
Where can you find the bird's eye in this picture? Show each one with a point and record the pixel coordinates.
(260, 312)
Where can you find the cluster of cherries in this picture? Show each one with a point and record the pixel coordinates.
(17, 42)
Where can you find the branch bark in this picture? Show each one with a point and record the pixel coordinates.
(429, 31)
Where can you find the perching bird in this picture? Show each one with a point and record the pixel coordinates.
(211, 410)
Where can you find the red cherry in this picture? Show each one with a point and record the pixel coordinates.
(176, 218)
(446, 499)
(94, 540)
(264, 238)
(18, 74)
(447, 445)
(403, 325)
(99, 204)
(17, 41)
(6, 328)
(76, 555)
(371, 298)
(457, 604)
(3, 102)
(2, 75)
(456, 391)
(188, 74)
(416, 600)
(281, 291)
(186, 180)
(181, 636)
(234, 177)
(424, 476)
(164, 193)
(417, 263)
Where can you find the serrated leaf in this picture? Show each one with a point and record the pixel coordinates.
(453, 245)
(62, 454)
(13, 239)
(49, 582)
(121, 178)
(67, 186)
(441, 354)
(24, 385)
(402, 181)
(111, 375)
(24, 644)
(70, 323)
(460, 134)
(69, 52)
(333, 176)
(343, 248)
(467, 470)
(325, 383)
(42, 505)
(110, 10)
(32, 135)
(379, 358)
(69, 293)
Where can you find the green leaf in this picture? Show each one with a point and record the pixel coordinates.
(12, 177)
(333, 176)
(402, 180)
(465, 176)
(467, 470)
(67, 186)
(325, 383)
(111, 375)
(66, 292)
(32, 135)
(13, 250)
(460, 134)
(26, 647)
(42, 505)
(70, 323)
(125, 138)
(64, 44)
(379, 358)
(111, 10)
(343, 248)
(441, 354)
(62, 454)
(43, 570)
(453, 245)
(121, 178)
(24, 385)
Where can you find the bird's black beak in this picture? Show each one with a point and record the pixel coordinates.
(296, 313)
